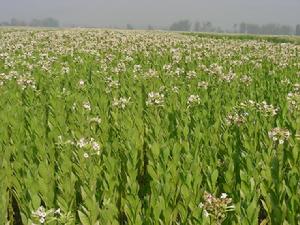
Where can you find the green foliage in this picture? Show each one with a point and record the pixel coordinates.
(119, 127)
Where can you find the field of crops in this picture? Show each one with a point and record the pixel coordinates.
(117, 127)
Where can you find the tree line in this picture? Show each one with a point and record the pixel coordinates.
(275, 29)
(183, 25)
(243, 28)
(46, 22)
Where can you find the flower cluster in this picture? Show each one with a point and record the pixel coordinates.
(214, 69)
(203, 84)
(155, 98)
(65, 70)
(95, 120)
(41, 214)
(285, 81)
(236, 118)
(193, 100)
(216, 208)
(121, 103)
(267, 109)
(246, 80)
(175, 89)
(263, 107)
(296, 87)
(88, 144)
(191, 74)
(293, 100)
(26, 81)
(87, 106)
(111, 84)
(151, 74)
(279, 134)
(228, 77)
(137, 68)
(81, 83)
(178, 71)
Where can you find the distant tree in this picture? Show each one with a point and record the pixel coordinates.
(235, 28)
(285, 30)
(129, 27)
(150, 27)
(35, 23)
(252, 29)
(243, 28)
(208, 27)
(276, 29)
(16, 22)
(298, 29)
(270, 28)
(197, 26)
(219, 30)
(182, 25)
(13, 22)
(47, 22)
(5, 23)
(50, 22)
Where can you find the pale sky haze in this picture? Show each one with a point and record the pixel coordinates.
(222, 13)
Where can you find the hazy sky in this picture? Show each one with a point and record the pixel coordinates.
(156, 12)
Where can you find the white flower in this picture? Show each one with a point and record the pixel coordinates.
(65, 70)
(81, 83)
(193, 100)
(81, 143)
(223, 195)
(175, 89)
(246, 80)
(42, 220)
(87, 106)
(74, 106)
(137, 68)
(85, 155)
(121, 102)
(203, 84)
(205, 213)
(191, 74)
(43, 214)
(95, 146)
(155, 98)
(279, 134)
(57, 212)
(95, 120)
(40, 212)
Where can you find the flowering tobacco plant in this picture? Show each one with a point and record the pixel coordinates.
(216, 208)
(130, 127)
